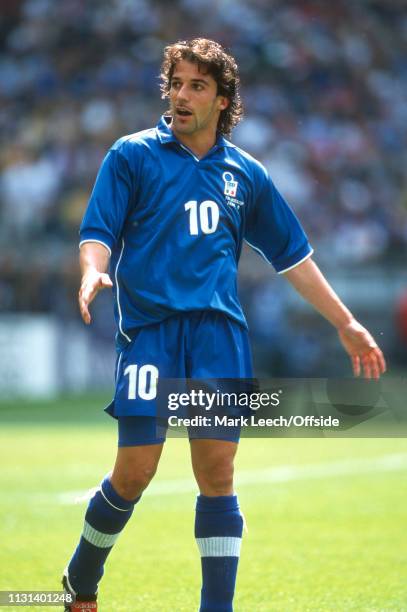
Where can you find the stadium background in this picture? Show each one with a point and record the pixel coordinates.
(324, 87)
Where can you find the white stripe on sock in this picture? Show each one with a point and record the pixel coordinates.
(219, 547)
(97, 538)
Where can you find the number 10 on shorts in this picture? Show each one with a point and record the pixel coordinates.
(142, 381)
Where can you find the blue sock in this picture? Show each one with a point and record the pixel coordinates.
(218, 532)
(106, 516)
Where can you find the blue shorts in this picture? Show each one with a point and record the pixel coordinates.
(195, 345)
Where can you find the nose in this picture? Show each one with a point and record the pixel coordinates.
(182, 94)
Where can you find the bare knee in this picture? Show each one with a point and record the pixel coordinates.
(214, 472)
(131, 483)
(216, 480)
(134, 469)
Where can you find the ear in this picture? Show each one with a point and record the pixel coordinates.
(223, 102)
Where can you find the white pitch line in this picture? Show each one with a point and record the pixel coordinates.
(281, 474)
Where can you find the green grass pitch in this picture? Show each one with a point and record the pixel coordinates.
(326, 518)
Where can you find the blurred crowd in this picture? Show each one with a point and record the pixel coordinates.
(325, 94)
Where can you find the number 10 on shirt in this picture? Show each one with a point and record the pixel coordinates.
(203, 217)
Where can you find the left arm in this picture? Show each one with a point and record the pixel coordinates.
(309, 281)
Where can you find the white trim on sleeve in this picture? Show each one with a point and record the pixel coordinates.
(98, 241)
(298, 263)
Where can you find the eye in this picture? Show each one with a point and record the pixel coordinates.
(175, 85)
(198, 87)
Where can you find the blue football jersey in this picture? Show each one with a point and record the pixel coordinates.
(175, 224)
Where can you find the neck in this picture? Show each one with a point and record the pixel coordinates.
(199, 144)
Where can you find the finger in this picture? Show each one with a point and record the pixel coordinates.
(84, 301)
(83, 308)
(356, 365)
(377, 362)
(381, 360)
(374, 366)
(86, 316)
(367, 371)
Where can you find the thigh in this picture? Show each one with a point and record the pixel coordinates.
(212, 463)
(210, 452)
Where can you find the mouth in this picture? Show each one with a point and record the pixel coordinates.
(183, 112)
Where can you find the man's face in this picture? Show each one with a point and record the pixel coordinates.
(195, 105)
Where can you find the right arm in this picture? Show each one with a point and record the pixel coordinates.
(102, 226)
(94, 262)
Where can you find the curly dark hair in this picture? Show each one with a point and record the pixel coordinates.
(218, 63)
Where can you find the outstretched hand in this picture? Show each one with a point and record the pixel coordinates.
(92, 283)
(364, 352)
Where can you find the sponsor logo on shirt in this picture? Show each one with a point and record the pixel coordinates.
(230, 190)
